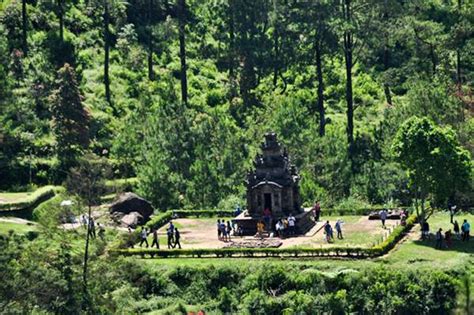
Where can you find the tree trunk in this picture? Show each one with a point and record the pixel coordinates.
(86, 303)
(458, 54)
(319, 74)
(106, 54)
(275, 58)
(182, 50)
(348, 46)
(151, 75)
(231, 56)
(24, 27)
(61, 20)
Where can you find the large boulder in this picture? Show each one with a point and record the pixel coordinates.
(129, 202)
(133, 219)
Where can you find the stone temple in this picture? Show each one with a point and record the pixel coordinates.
(273, 185)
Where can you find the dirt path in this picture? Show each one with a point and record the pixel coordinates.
(202, 233)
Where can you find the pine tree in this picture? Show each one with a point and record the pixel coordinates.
(70, 119)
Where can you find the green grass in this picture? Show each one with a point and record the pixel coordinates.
(18, 228)
(14, 197)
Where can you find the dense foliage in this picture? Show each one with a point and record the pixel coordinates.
(179, 93)
(50, 281)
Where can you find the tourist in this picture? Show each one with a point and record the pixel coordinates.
(229, 229)
(452, 211)
(383, 217)
(171, 227)
(260, 229)
(425, 230)
(456, 230)
(466, 229)
(223, 230)
(439, 239)
(170, 236)
(291, 224)
(316, 211)
(237, 210)
(91, 230)
(240, 230)
(177, 237)
(448, 238)
(403, 218)
(155, 239)
(338, 227)
(84, 220)
(219, 231)
(328, 231)
(279, 228)
(143, 236)
(267, 218)
(101, 231)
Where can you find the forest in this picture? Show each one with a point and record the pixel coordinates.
(373, 99)
(179, 94)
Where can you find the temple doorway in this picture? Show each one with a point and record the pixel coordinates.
(267, 201)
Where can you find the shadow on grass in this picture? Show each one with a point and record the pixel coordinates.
(456, 245)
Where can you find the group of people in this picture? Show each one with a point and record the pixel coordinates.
(329, 232)
(89, 224)
(462, 233)
(172, 233)
(283, 227)
(224, 229)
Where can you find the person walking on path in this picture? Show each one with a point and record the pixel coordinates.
(338, 227)
(101, 231)
(466, 230)
(383, 217)
(91, 228)
(328, 231)
(170, 236)
(177, 237)
(228, 229)
(223, 227)
(143, 236)
(425, 230)
(448, 238)
(456, 230)
(155, 241)
(291, 224)
(219, 230)
(439, 239)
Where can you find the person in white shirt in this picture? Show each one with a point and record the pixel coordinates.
(291, 224)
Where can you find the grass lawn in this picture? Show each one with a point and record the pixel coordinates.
(14, 197)
(18, 228)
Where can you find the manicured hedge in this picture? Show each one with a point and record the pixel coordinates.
(40, 195)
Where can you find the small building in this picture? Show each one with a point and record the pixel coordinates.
(273, 184)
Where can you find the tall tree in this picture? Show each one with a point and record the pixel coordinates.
(182, 17)
(87, 182)
(435, 161)
(151, 75)
(70, 119)
(317, 19)
(106, 24)
(348, 47)
(24, 20)
(61, 19)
